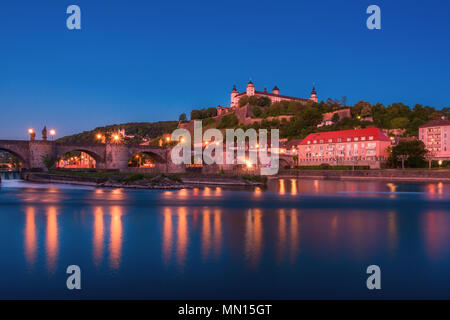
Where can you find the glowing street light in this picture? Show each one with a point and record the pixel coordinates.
(32, 134)
(116, 138)
(99, 136)
(168, 139)
(52, 133)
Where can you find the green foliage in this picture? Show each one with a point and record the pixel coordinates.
(48, 161)
(182, 117)
(141, 130)
(259, 101)
(203, 113)
(228, 121)
(257, 112)
(414, 150)
(399, 122)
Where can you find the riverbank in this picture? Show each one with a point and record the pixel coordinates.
(143, 181)
(381, 174)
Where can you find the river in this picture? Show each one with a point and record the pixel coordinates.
(299, 239)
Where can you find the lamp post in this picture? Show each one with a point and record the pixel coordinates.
(52, 133)
(32, 134)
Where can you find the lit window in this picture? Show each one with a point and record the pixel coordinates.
(371, 138)
(356, 138)
(321, 141)
(330, 140)
(363, 138)
(315, 141)
(309, 142)
(339, 139)
(349, 139)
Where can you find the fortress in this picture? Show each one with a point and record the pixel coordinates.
(275, 96)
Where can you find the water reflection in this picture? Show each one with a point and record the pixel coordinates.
(253, 237)
(432, 190)
(99, 234)
(182, 236)
(167, 235)
(115, 244)
(436, 233)
(51, 243)
(30, 236)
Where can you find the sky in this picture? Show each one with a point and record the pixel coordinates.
(145, 60)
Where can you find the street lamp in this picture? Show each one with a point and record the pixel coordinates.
(32, 134)
(52, 133)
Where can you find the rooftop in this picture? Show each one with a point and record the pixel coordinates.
(376, 133)
(436, 123)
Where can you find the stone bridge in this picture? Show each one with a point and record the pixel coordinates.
(107, 156)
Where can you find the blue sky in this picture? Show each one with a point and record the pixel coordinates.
(152, 60)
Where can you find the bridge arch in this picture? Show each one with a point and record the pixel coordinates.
(157, 154)
(19, 149)
(285, 163)
(93, 151)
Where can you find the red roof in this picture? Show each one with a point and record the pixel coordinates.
(436, 123)
(376, 133)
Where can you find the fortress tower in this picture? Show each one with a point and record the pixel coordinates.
(250, 89)
(313, 96)
(234, 94)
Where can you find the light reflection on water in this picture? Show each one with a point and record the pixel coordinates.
(140, 237)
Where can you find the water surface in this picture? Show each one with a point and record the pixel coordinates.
(298, 239)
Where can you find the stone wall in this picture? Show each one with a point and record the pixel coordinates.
(386, 174)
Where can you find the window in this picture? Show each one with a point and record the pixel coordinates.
(330, 140)
(321, 141)
(349, 139)
(339, 139)
(370, 137)
(309, 142)
(363, 138)
(356, 138)
(315, 141)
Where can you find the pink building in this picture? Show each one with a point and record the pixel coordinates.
(363, 146)
(436, 137)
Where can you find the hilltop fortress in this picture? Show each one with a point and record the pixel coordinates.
(274, 96)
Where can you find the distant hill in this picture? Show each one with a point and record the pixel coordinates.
(136, 132)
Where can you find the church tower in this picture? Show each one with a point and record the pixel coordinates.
(313, 96)
(234, 94)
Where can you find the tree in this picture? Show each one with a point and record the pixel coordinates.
(210, 112)
(48, 161)
(399, 122)
(257, 112)
(182, 117)
(412, 151)
(196, 114)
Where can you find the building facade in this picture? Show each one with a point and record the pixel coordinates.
(275, 96)
(347, 147)
(436, 137)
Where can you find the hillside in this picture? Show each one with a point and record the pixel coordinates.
(135, 132)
